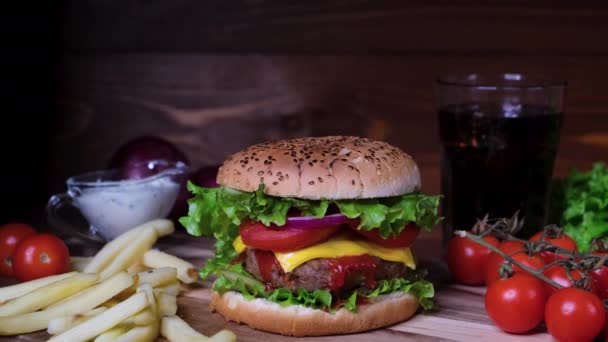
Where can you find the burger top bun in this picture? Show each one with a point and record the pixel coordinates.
(334, 167)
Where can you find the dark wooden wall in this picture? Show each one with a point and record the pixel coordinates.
(214, 76)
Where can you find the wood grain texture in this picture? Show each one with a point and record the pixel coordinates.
(337, 26)
(212, 105)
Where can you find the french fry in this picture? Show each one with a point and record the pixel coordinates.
(186, 272)
(158, 277)
(111, 302)
(137, 267)
(104, 321)
(172, 288)
(140, 334)
(61, 324)
(112, 334)
(78, 264)
(149, 291)
(144, 317)
(14, 291)
(167, 304)
(105, 256)
(130, 254)
(176, 329)
(48, 294)
(118, 281)
(223, 336)
(78, 303)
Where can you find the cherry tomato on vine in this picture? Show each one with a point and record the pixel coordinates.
(600, 278)
(516, 304)
(561, 240)
(574, 315)
(10, 235)
(559, 274)
(494, 262)
(40, 256)
(466, 259)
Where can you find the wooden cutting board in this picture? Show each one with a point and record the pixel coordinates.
(458, 314)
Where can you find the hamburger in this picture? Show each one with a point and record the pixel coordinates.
(313, 236)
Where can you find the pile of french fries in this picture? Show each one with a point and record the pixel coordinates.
(126, 292)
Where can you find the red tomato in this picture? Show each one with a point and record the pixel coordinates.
(256, 235)
(564, 241)
(512, 246)
(516, 304)
(466, 259)
(574, 315)
(559, 274)
(10, 235)
(494, 262)
(40, 256)
(405, 239)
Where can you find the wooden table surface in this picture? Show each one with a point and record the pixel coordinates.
(459, 312)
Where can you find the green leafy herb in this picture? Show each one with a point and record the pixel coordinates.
(236, 278)
(581, 203)
(218, 212)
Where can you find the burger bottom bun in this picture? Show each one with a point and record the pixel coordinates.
(298, 320)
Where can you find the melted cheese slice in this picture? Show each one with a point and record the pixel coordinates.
(338, 246)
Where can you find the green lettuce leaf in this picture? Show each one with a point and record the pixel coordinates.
(218, 212)
(391, 215)
(581, 200)
(236, 278)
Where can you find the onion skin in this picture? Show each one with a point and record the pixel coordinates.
(132, 156)
(304, 222)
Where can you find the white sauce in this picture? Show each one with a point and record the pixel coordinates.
(116, 209)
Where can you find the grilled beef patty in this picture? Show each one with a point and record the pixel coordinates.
(317, 274)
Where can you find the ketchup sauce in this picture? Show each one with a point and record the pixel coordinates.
(266, 260)
(340, 268)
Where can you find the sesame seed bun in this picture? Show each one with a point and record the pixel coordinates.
(334, 167)
(296, 320)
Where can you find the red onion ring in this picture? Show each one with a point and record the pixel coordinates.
(310, 222)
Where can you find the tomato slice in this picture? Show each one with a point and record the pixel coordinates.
(405, 239)
(283, 239)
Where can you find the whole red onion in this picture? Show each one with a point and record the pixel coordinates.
(132, 156)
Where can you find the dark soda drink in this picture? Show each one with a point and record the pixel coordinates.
(497, 160)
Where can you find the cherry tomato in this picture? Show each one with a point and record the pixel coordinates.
(575, 315)
(405, 239)
(516, 304)
(512, 246)
(494, 262)
(10, 235)
(40, 256)
(559, 274)
(600, 277)
(256, 235)
(466, 259)
(564, 241)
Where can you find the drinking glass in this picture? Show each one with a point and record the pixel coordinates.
(499, 138)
